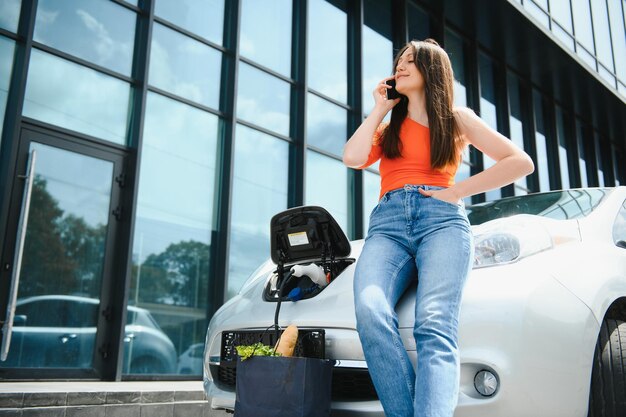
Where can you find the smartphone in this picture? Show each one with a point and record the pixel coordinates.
(392, 93)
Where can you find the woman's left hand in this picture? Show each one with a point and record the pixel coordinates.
(446, 194)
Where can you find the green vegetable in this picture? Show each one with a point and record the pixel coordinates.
(259, 349)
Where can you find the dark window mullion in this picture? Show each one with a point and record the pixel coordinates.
(297, 152)
(220, 239)
(355, 116)
(124, 257)
(472, 75)
(503, 113)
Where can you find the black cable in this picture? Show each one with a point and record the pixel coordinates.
(280, 298)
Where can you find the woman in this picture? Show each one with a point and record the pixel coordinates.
(420, 228)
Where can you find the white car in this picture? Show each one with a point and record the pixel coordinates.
(542, 330)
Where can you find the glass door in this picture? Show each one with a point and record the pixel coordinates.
(64, 203)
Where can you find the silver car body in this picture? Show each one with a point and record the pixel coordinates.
(533, 322)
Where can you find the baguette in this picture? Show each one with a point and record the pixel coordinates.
(287, 343)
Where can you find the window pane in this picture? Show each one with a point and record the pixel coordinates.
(540, 145)
(598, 149)
(202, 17)
(327, 186)
(601, 33)
(326, 125)
(563, 158)
(69, 95)
(419, 23)
(488, 110)
(184, 66)
(377, 64)
(454, 47)
(582, 23)
(536, 12)
(172, 237)
(10, 14)
(616, 169)
(371, 191)
(7, 49)
(259, 192)
(581, 154)
(516, 127)
(619, 38)
(263, 99)
(561, 12)
(268, 43)
(97, 31)
(327, 61)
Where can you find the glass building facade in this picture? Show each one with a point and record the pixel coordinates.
(163, 137)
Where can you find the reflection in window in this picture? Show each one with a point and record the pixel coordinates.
(327, 186)
(541, 144)
(597, 147)
(7, 48)
(515, 126)
(326, 125)
(69, 95)
(172, 237)
(327, 61)
(601, 33)
(377, 49)
(562, 137)
(581, 154)
(266, 33)
(371, 191)
(97, 31)
(619, 38)
(582, 25)
(260, 179)
(184, 66)
(377, 64)
(561, 12)
(263, 99)
(616, 169)
(488, 110)
(202, 17)
(419, 23)
(454, 47)
(10, 14)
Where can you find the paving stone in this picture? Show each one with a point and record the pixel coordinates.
(157, 410)
(189, 396)
(123, 397)
(86, 398)
(150, 397)
(123, 410)
(88, 411)
(11, 399)
(10, 412)
(191, 409)
(44, 412)
(44, 399)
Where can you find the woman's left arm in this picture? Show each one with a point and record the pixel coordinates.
(511, 162)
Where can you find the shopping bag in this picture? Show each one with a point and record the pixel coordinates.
(269, 386)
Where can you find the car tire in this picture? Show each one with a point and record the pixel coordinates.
(607, 397)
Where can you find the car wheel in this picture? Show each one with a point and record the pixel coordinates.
(146, 366)
(607, 397)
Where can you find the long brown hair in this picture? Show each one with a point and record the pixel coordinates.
(434, 65)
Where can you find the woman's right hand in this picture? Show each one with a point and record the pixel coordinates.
(380, 96)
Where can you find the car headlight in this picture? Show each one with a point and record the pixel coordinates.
(510, 239)
(262, 271)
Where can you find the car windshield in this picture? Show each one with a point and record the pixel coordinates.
(560, 205)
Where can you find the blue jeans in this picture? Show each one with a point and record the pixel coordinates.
(412, 237)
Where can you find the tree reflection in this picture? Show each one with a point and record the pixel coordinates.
(62, 253)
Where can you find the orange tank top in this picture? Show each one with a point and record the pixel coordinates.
(413, 167)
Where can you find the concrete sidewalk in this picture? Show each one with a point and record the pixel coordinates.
(105, 399)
